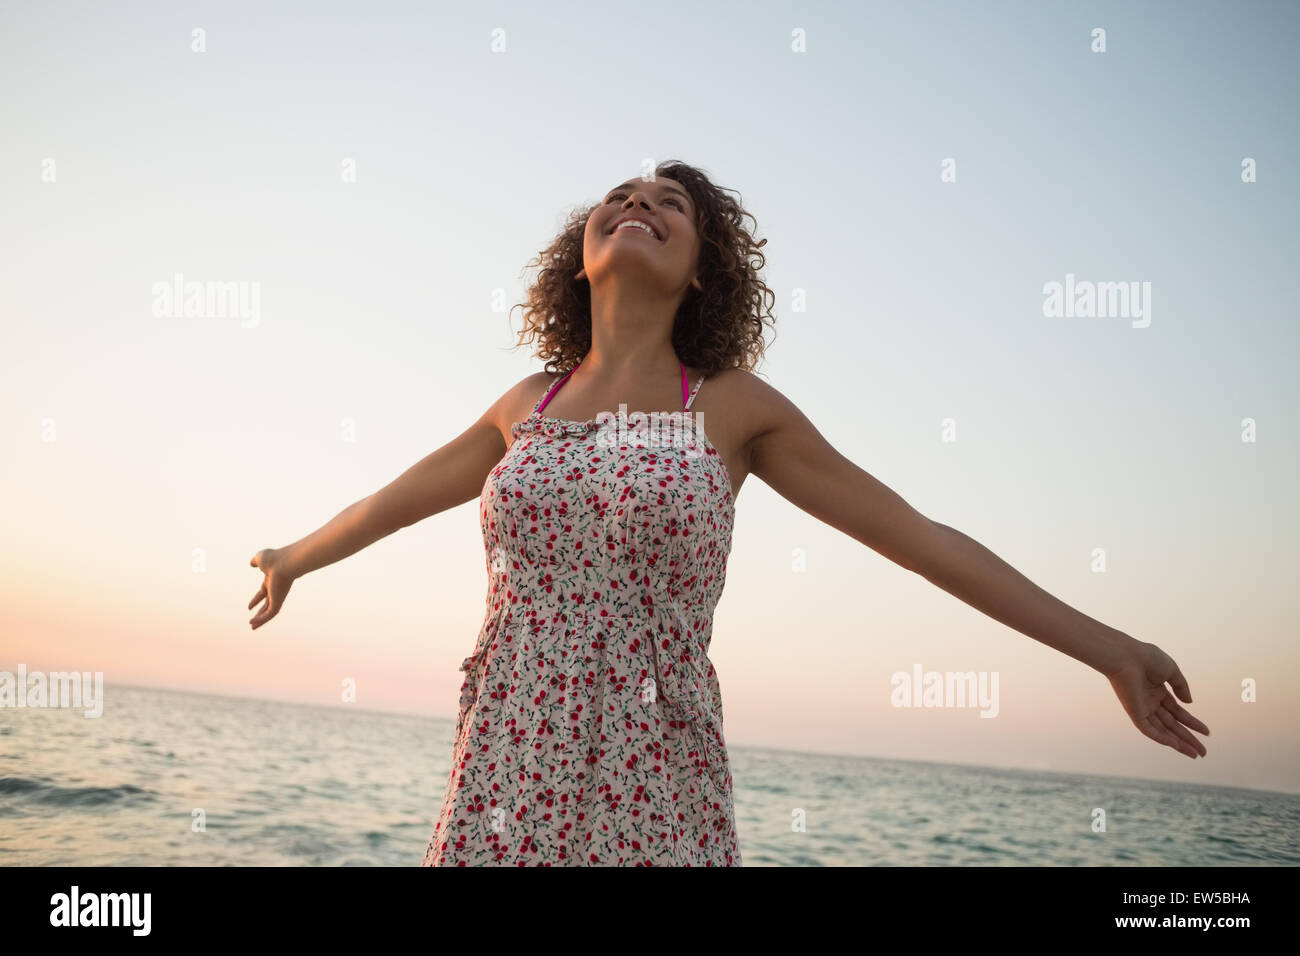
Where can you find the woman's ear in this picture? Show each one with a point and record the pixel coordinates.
(582, 273)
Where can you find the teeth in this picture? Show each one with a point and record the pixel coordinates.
(636, 223)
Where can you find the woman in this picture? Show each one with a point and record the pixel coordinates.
(590, 722)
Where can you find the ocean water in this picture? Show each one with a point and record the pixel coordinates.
(282, 784)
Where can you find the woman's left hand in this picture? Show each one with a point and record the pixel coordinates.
(1139, 683)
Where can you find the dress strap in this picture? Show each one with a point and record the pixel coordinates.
(694, 391)
(537, 409)
(688, 394)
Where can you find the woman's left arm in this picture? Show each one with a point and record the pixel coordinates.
(793, 458)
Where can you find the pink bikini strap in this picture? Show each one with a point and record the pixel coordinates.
(687, 394)
(695, 391)
(553, 389)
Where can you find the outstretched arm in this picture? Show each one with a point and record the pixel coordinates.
(443, 479)
(793, 458)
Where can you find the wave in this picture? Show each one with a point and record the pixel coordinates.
(39, 791)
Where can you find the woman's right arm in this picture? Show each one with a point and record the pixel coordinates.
(450, 476)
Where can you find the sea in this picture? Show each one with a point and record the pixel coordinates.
(174, 778)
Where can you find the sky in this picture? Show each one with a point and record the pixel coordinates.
(136, 438)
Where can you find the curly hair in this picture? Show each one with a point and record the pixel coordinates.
(719, 328)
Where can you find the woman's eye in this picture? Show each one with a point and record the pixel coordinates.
(676, 202)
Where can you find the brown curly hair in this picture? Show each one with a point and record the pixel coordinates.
(719, 328)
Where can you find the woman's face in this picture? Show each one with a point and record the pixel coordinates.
(668, 258)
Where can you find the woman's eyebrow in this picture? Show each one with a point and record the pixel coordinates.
(672, 189)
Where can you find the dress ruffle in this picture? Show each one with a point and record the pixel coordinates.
(554, 427)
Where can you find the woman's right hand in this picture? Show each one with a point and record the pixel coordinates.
(450, 476)
(275, 584)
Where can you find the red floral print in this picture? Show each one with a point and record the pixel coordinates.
(590, 722)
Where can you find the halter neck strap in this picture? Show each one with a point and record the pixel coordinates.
(688, 394)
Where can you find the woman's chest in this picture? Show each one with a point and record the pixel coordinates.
(550, 475)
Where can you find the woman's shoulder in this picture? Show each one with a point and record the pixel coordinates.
(738, 385)
(528, 391)
(739, 402)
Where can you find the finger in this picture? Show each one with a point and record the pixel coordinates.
(261, 593)
(1181, 713)
(260, 616)
(1179, 683)
(1157, 731)
(1181, 732)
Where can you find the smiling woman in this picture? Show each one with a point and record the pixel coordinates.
(720, 322)
(590, 728)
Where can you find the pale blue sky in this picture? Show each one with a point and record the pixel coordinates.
(924, 303)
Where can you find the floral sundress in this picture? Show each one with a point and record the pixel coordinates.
(590, 724)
